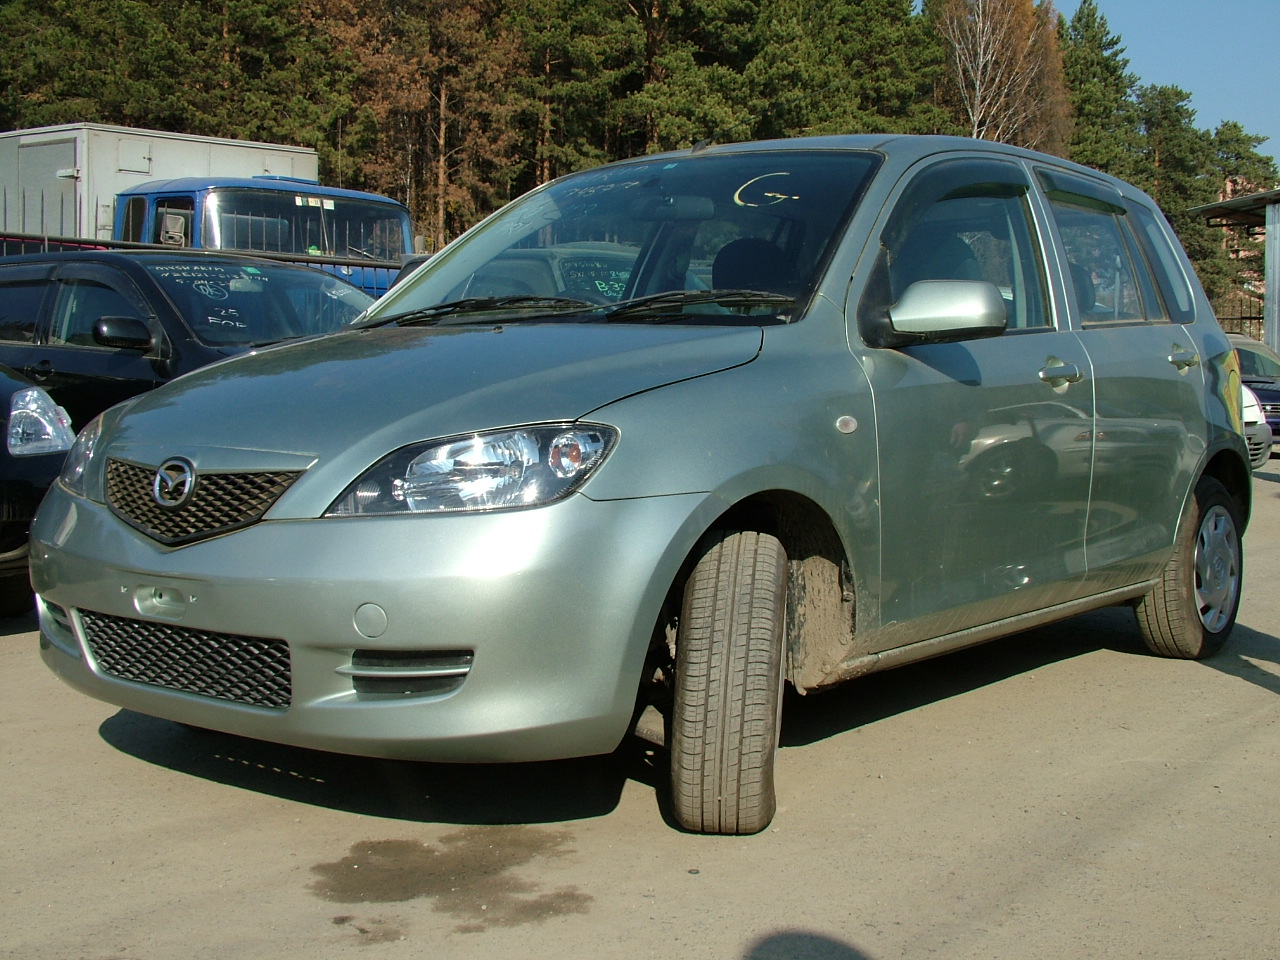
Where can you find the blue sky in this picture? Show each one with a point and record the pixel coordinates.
(1222, 53)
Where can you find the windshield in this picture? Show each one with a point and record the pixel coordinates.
(242, 304)
(667, 229)
(285, 221)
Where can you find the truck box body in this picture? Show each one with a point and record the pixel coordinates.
(63, 180)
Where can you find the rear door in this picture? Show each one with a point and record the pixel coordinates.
(1148, 381)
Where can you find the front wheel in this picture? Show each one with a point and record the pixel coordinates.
(1193, 607)
(728, 685)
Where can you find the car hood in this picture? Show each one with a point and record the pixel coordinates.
(339, 403)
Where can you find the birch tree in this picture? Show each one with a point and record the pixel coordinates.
(1006, 70)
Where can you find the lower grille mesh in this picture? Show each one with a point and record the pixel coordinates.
(224, 666)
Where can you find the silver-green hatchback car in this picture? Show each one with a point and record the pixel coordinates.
(653, 441)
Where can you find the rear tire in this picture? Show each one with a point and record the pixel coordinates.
(728, 686)
(1191, 611)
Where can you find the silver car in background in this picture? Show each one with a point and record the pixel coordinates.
(657, 439)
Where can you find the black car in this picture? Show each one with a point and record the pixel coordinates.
(36, 436)
(94, 327)
(1260, 372)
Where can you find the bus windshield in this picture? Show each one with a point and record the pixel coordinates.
(275, 221)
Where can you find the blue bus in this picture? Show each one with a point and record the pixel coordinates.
(360, 236)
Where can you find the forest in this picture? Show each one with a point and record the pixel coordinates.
(456, 106)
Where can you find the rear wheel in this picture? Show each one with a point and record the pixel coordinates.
(1192, 609)
(728, 685)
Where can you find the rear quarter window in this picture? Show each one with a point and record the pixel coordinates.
(1165, 263)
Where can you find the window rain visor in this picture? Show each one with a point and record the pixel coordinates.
(764, 221)
(524, 467)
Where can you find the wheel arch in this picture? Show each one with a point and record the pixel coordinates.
(1228, 469)
(821, 598)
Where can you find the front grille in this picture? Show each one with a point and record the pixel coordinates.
(224, 666)
(221, 502)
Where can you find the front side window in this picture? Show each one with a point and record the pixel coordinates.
(87, 294)
(962, 220)
(172, 225)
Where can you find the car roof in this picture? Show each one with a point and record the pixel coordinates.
(272, 183)
(906, 148)
(124, 256)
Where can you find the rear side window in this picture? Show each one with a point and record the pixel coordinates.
(1109, 277)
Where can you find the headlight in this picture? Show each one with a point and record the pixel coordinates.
(73, 471)
(525, 467)
(37, 424)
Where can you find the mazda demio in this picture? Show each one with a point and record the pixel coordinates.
(657, 439)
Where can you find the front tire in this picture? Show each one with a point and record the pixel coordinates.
(1192, 609)
(728, 685)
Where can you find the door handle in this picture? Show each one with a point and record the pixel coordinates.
(1057, 372)
(1184, 358)
(40, 372)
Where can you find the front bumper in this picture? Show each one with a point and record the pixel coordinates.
(555, 608)
(1259, 437)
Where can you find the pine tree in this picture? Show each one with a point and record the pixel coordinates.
(573, 54)
(1100, 89)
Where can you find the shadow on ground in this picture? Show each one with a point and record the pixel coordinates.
(520, 793)
(558, 791)
(13, 626)
(876, 697)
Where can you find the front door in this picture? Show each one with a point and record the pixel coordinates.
(81, 375)
(986, 445)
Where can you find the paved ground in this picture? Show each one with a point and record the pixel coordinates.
(1059, 794)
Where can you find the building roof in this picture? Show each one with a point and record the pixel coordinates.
(1248, 211)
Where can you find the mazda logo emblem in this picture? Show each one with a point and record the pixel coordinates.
(174, 484)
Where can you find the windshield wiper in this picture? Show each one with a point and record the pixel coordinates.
(670, 305)
(474, 305)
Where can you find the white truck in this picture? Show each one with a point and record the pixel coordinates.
(62, 181)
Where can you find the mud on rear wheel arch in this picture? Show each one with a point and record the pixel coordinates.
(821, 599)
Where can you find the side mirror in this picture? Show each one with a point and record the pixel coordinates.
(943, 311)
(128, 333)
